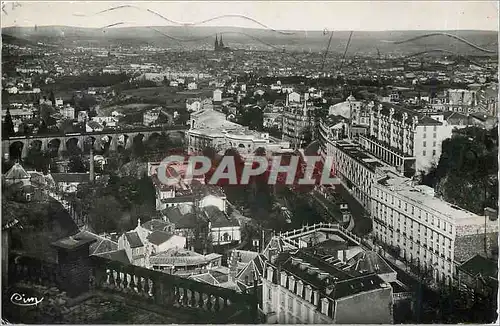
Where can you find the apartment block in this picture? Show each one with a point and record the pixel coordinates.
(301, 288)
(403, 138)
(429, 232)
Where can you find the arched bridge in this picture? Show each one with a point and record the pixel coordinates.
(112, 138)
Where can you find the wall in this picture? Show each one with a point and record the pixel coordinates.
(123, 244)
(376, 308)
(467, 246)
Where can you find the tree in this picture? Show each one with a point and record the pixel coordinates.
(37, 159)
(8, 125)
(76, 164)
(52, 98)
(105, 214)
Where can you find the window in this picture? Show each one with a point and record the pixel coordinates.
(425, 144)
(434, 135)
(425, 128)
(269, 294)
(425, 135)
(424, 153)
(433, 152)
(434, 144)
(434, 128)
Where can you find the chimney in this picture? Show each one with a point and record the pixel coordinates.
(91, 164)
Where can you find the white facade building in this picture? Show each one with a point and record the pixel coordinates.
(217, 95)
(428, 231)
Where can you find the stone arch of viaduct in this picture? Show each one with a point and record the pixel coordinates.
(122, 138)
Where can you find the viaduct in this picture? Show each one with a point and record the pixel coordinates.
(61, 142)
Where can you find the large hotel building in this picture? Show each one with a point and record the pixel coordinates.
(427, 231)
(409, 141)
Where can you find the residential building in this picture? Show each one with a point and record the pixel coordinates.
(217, 96)
(405, 139)
(483, 120)
(83, 116)
(193, 104)
(23, 114)
(93, 126)
(428, 232)
(298, 121)
(108, 121)
(149, 239)
(487, 99)
(478, 274)
(68, 112)
(461, 100)
(150, 116)
(192, 86)
(223, 228)
(302, 288)
(68, 182)
(356, 169)
(272, 120)
(18, 183)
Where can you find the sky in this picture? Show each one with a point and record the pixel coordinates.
(280, 15)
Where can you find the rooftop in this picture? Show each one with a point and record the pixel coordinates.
(325, 277)
(369, 262)
(159, 237)
(133, 239)
(179, 257)
(17, 172)
(421, 196)
(354, 150)
(480, 266)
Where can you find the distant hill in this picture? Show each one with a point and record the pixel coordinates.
(9, 39)
(203, 37)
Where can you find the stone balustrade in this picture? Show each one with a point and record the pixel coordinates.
(77, 273)
(167, 290)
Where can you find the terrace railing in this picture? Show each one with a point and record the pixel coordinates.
(150, 289)
(218, 304)
(290, 235)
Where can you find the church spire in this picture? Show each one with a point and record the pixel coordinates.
(221, 44)
(216, 43)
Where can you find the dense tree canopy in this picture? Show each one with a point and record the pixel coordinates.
(466, 174)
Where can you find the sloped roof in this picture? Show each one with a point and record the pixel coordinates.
(133, 239)
(369, 262)
(219, 218)
(178, 257)
(256, 266)
(181, 221)
(479, 265)
(156, 225)
(118, 255)
(205, 278)
(427, 121)
(357, 285)
(101, 245)
(17, 172)
(159, 237)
